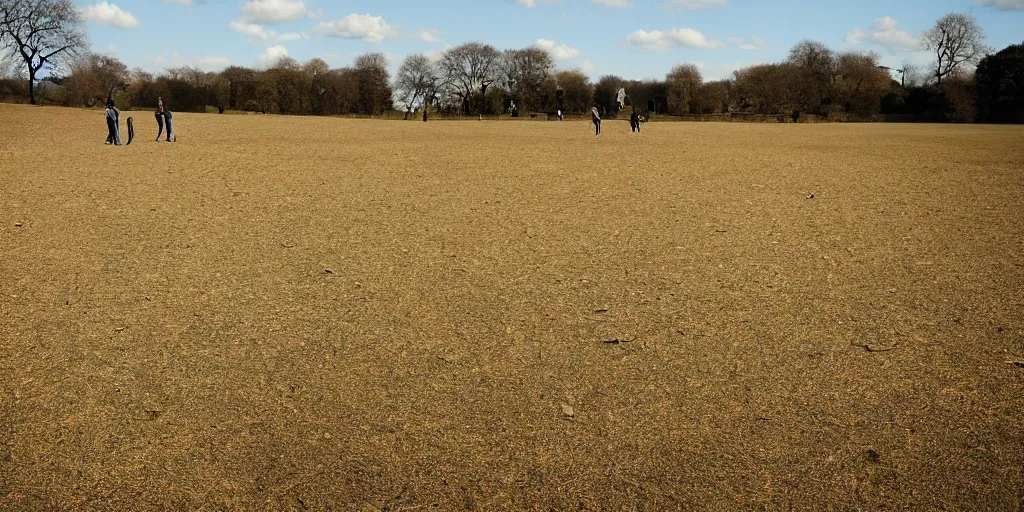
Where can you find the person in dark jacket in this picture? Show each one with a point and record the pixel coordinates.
(596, 117)
(634, 121)
(113, 124)
(159, 123)
(169, 123)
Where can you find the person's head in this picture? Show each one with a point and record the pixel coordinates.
(110, 103)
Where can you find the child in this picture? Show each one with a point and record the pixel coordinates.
(113, 121)
(634, 121)
(597, 120)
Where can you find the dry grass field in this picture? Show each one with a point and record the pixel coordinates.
(283, 313)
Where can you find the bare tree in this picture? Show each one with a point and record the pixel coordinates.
(93, 79)
(605, 92)
(111, 72)
(524, 73)
(768, 88)
(715, 97)
(862, 82)
(956, 39)
(374, 83)
(647, 95)
(817, 69)
(317, 76)
(577, 91)
(41, 32)
(415, 82)
(683, 83)
(290, 85)
(470, 68)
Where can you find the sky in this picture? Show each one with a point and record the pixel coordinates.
(630, 38)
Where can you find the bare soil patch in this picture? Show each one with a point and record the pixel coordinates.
(292, 313)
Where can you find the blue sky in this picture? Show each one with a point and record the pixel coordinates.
(631, 38)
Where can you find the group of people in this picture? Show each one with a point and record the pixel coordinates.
(634, 120)
(163, 118)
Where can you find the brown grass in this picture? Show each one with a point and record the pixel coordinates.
(289, 313)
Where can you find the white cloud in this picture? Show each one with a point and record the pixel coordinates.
(1002, 5)
(622, 4)
(587, 66)
(435, 55)
(884, 32)
(273, 11)
(372, 29)
(428, 36)
(557, 51)
(273, 54)
(693, 5)
(755, 43)
(251, 29)
(206, 63)
(657, 40)
(182, 2)
(264, 34)
(856, 36)
(110, 15)
(527, 3)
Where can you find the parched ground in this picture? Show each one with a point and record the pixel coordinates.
(292, 313)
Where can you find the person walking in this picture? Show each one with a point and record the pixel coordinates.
(113, 124)
(597, 120)
(170, 125)
(634, 121)
(159, 123)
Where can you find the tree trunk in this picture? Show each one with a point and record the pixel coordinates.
(31, 85)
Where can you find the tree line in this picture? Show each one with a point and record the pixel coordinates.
(967, 82)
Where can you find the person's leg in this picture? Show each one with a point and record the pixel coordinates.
(170, 129)
(159, 127)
